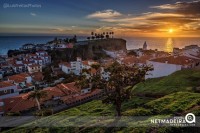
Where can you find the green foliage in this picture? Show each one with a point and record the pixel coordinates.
(137, 112)
(93, 108)
(183, 80)
(174, 103)
(13, 114)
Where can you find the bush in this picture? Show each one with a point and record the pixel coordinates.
(45, 112)
(13, 114)
(137, 112)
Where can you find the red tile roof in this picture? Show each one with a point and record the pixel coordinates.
(69, 87)
(21, 102)
(85, 63)
(18, 78)
(37, 58)
(6, 84)
(178, 60)
(65, 64)
(34, 65)
(93, 71)
(37, 76)
(130, 60)
(144, 58)
(70, 99)
(29, 85)
(53, 92)
(18, 65)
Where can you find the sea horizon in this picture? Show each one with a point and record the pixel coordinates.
(161, 43)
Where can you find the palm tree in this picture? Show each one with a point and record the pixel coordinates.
(95, 34)
(102, 36)
(92, 33)
(37, 95)
(112, 34)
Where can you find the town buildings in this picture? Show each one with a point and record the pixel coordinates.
(23, 81)
(67, 94)
(77, 66)
(28, 46)
(8, 89)
(29, 62)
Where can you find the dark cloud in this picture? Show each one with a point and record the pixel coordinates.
(187, 8)
(173, 19)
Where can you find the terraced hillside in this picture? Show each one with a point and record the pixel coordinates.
(179, 96)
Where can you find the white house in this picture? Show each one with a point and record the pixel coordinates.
(22, 80)
(41, 53)
(61, 45)
(28, 46)
(38, 61)
(24, 77)
(104, 75)
(8, 89)
(167, 65)
(75, 66)
(34, 68)
(18, 68)
(65, 67)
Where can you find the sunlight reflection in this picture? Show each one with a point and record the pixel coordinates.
(169, 45)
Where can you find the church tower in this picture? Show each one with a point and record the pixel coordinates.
(145, 46)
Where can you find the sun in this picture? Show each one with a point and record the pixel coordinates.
(170, 30)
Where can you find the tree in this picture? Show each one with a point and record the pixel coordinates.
(95, 66)
(92, 33)
(37, 95)
(107, 36)
(74, 39)
(93, 37)
(102, 36)
(122, 79)
(112, 34)
(88, 38)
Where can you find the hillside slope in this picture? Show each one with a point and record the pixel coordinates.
(178, 101)
(185, 80)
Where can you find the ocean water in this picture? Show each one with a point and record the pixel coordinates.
(164, 44)
(15, 42)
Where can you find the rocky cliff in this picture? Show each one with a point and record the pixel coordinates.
(95, 49)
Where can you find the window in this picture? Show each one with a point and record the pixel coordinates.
(5, 91)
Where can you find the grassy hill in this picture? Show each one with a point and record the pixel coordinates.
(185, 80)
(179, 99)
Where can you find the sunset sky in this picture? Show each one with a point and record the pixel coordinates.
(143, 18)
